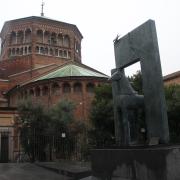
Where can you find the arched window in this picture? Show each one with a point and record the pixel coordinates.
(27, 36)
(66, 41)
(51, 52)
(60, 53)
(47, 37)
(45, 90)
(25, 50)
(21, 51)
(77, 47)
(20, 37)
(46, 50)
(77, 87)
(13, 38)
(65, 54)
(69, 55)
(29, 50)
(40, 36)
(17, 51)
(37, 49)
(90, 87)
(37, 91)
(9, 52)
(41, 50)
(13, 51)
(53, 39)
(31, 92)
(56, 52)
(60, 39)
(55, 89)
(66, 88)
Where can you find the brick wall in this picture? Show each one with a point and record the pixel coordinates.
(173, 78)
(82, 100)
(26, 76)
(172, 81)
(16, 65)
(40, 60)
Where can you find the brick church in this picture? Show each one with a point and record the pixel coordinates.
(41, 59)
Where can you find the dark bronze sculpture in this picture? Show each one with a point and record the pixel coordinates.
(139, 45)
(157, 162)
(127, 103)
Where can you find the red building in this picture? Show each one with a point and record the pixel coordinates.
(173, 78)
(41, 59)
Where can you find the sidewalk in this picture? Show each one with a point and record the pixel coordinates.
(73, 169)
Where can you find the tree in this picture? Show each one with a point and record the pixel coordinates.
(172, 94)
(34, 122)
(102, 117)
(136, 82)
(62, 116)
(38, 126)
(102, 109)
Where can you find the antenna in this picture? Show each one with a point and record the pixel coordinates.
(42, 8)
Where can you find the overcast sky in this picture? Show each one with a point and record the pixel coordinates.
(101, 20)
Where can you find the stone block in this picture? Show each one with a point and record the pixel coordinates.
(142, 163)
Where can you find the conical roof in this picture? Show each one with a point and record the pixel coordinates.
(72, 70)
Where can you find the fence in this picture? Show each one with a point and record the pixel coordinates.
(42, 148)
(48, 147)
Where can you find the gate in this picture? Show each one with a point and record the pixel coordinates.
(46, 148)
(4, 148)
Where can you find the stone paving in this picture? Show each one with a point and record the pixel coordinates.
(76, 170)
(30, 171)
(27, 171)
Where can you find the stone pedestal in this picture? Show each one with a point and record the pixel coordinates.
(141, 163)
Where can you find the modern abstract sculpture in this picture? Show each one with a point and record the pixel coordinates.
(139, 45)
(157, 162)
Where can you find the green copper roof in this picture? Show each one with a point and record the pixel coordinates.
(72, 70)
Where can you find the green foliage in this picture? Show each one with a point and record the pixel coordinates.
(102, 110)
(33, 118)
(172, 94)
(36, 122)
(61, 116)
(102, 114)
(136, 82)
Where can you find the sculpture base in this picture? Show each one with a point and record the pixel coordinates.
(150, 163)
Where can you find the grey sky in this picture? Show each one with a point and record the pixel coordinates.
(101, 20)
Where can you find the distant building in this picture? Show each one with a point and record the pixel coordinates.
(173, 78)
(41, 59)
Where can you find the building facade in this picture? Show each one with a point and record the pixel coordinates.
(41, 60)
(173, 78)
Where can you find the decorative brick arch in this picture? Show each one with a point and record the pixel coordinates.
(13, 38)
(66, 88)
(28, 35)
(90, 87)
(77, 87)
(20, 37)
(39, 34)
(31, 92)
(45, 90)
(55, 88)
(37, 91)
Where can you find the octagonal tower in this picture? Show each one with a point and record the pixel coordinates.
(33, 42)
